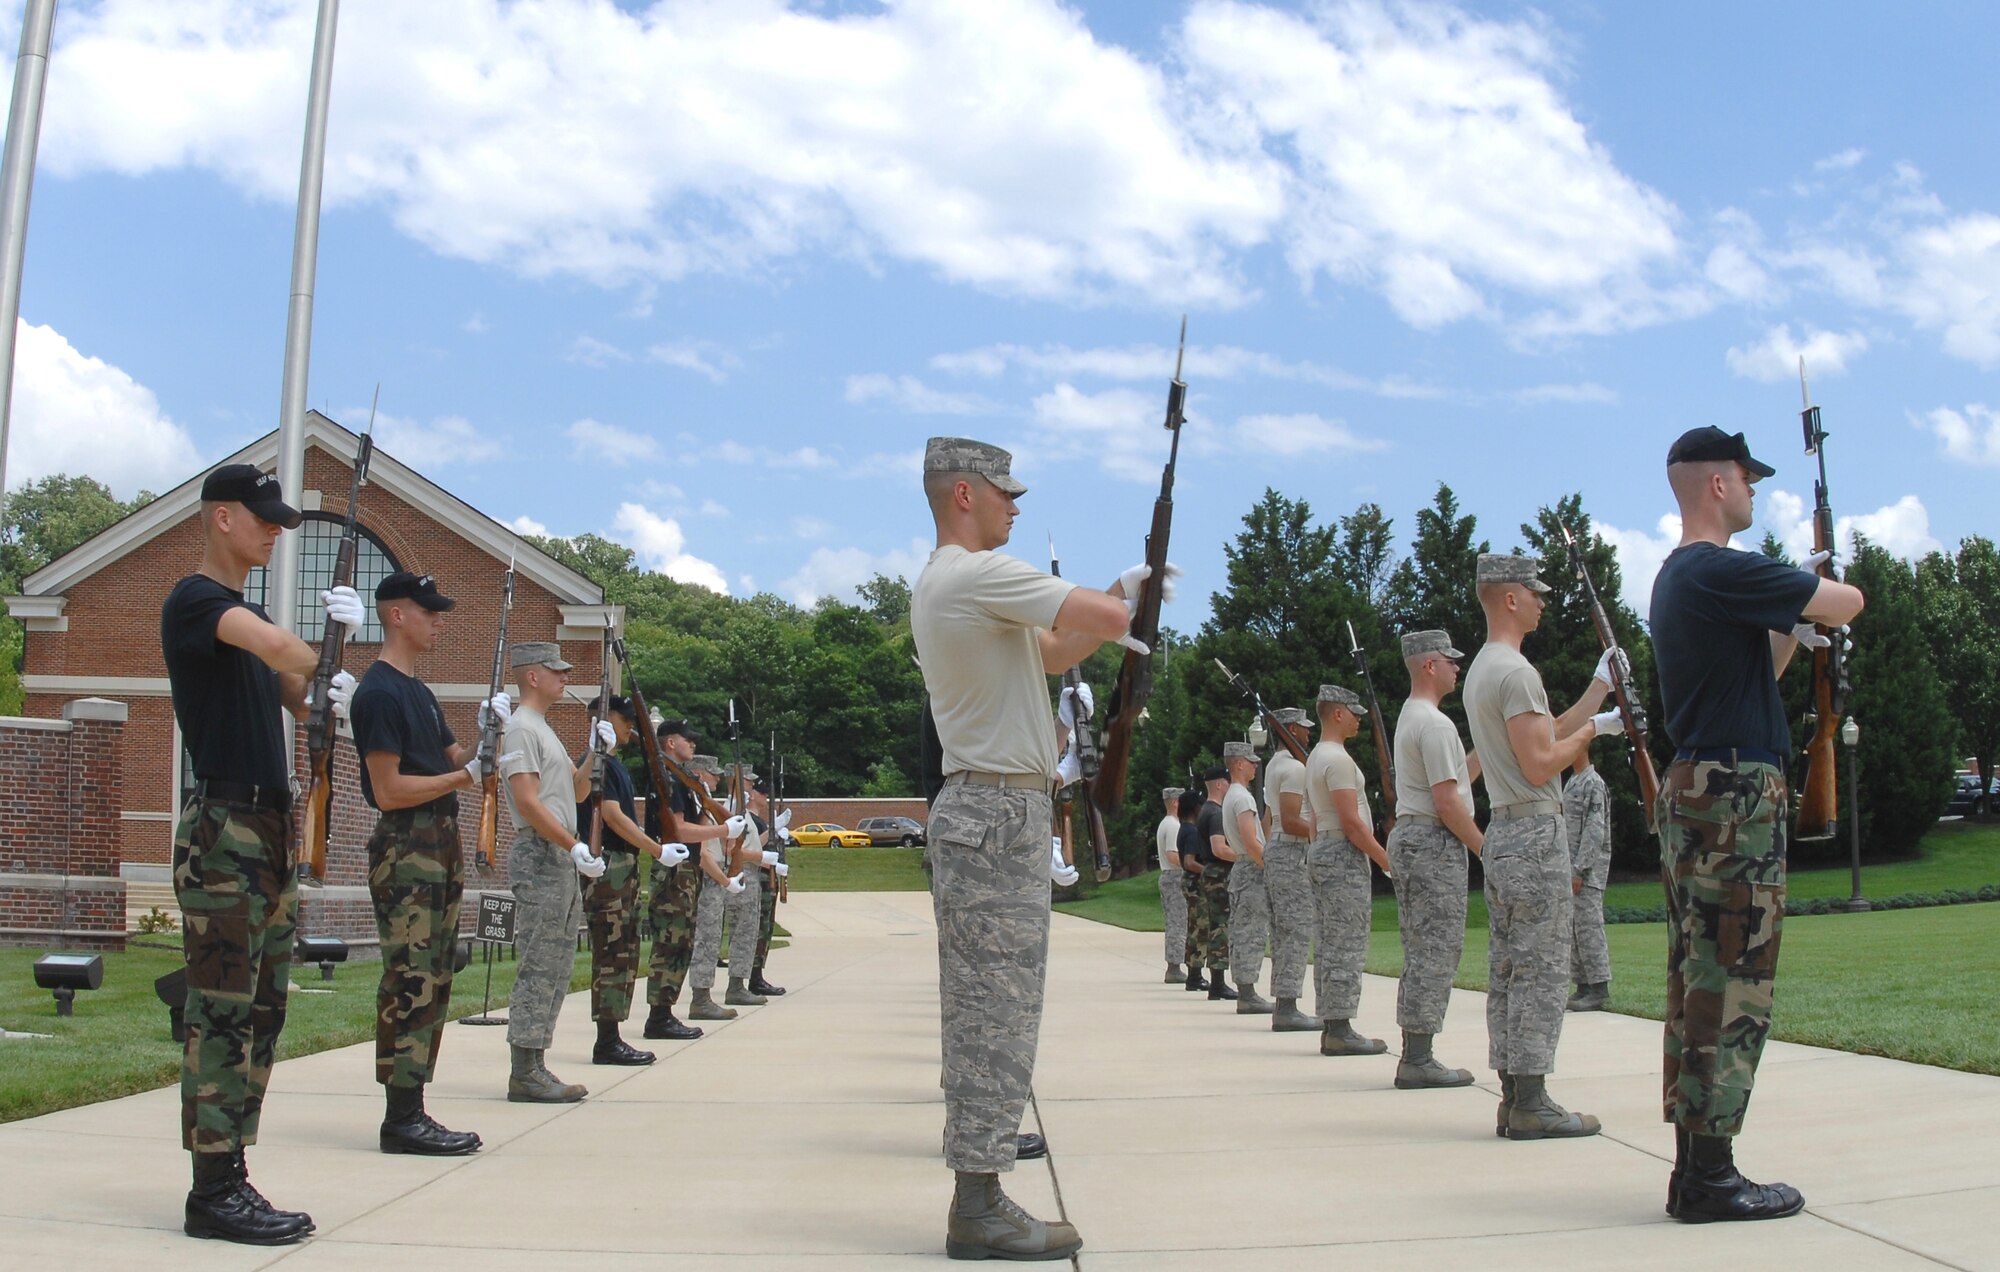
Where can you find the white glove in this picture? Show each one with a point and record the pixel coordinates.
(1807, 634)
(1060, 872)
(1812, 562)
(343, 606)
(782, 869)
(607, 737)
(340, 693)
(501, 707)
(1066, 705)
(1134, 644)
(784, 821)
(586, 865)
(1070, 767)
(736, 826)
(770, 858)
(735, 883)
(1607, 722)
(673, 854)
(1129, 582)
(1603, 673)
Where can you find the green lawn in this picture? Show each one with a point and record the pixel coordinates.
(858, 870)
(117, 1043)
(1911, 984)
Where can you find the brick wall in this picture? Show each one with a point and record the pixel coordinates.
(60, 830)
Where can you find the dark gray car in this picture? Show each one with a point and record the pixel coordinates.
(907, 831)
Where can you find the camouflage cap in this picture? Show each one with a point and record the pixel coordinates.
(1290, 715)
(537, 653)
(1431, 641)
(1170, 792)
(963, 455)
(1499, 567)
(1343, 697)
(1238, 751)
(706, 764)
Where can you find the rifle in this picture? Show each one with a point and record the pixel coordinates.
(1281, 732)
(658, 763)
(1385, 758)
(599, 755)
(1087, 762)
(321, 733)
(740, 797)
(1631, 709)
(489, 739)
(1135, 675)
(1819, 799)
(777, 775)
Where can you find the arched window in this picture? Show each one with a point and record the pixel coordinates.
(319, 544)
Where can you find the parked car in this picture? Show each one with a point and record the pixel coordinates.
(1965, 796)
(825, 834)
(907, 831)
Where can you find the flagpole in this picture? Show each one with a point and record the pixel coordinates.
(17, 181)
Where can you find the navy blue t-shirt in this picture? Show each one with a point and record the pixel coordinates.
(617, 788)
(226, 699)
(1714, 609)
(1207, 825)
(399, 714)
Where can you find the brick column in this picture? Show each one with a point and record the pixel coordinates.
(60, 798)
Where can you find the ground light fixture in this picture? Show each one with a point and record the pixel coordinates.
(324, 950)
(67, 973)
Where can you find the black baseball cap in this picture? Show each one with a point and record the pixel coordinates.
(1699, 445)
(670, 727)
(619, 703)
(407, 585)
(254, 489)
(1215, 773)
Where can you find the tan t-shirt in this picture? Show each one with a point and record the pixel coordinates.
(1283, 776)
(1166, 842)
(1330, 768)
(1428, 752)
(1235, 803)
(974, 616)
(531, 746)
(1500, 685)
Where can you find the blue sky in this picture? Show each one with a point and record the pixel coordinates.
(703, 276)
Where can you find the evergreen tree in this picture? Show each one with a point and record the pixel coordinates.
(1958, 598)
(1433, 587)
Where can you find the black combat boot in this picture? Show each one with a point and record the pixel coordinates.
(612, 1049)
(758, 985)
(662, 1023)
(1219, 990)
(1674, 1178)
(1196, 982)
(223, 1205)
(407, 1128)
(1713, 1190)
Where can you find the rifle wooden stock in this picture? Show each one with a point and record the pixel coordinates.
(1819, 797)
(321, 725)
(489, 822)
(485, 848)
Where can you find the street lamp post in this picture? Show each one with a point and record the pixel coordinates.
(1850, 736)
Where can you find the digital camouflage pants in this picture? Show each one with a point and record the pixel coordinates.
(1723, 858)
(1343, 908)
(1527, 941)
(670, 911)
(1174, 906)
(611, 908)
(1288, 885)
(711, 907)
(549, 910)
(1431, 874)
(1213, 891)
(416, 879)
(745, 912)
(1249, 909)
(239, 900)
(990, 892)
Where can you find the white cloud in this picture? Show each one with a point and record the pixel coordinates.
(710, 508)
(1970, 437)
(1776, 356)
(1587, 393)
(662, 547)
(907, 393)
(1155, 364)
(525, 524)
(1954, 284)
(1903, 527)
(811, 528)
(1842, 161)
(588, 351)
(80, 415)
(607, 443)
(448, 439)
(476, 323)
(1292, 436)
(1119, 428)
(1640, 555)
(837, 572)
(698, 356)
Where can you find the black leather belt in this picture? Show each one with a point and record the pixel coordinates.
(1729, 755)
(276, 799)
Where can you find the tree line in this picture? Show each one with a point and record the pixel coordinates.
(837, 684)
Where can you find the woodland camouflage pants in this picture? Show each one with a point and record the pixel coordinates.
(416, 879)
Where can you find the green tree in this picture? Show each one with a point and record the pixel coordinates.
(887, 599)
(1433, 586)
(1365, 555)
(1958, 598)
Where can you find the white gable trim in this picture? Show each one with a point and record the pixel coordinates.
(469, 523)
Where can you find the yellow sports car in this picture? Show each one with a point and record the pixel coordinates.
(825, 834)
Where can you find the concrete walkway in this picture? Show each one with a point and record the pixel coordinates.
(805, 1135)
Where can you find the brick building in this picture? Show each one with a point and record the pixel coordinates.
(92, 618)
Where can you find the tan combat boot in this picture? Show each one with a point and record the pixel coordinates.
(986, 1224)
(739, 994)
(532, 1083)
(702, 1007)
(1536, 1116)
